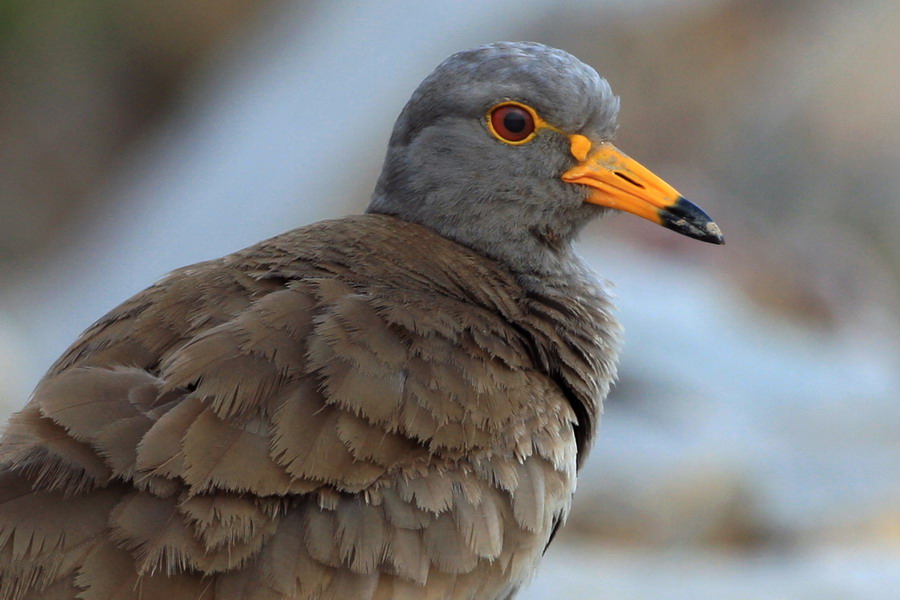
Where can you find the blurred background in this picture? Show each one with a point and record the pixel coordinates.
(752, 446)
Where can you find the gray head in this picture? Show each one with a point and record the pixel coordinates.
(454, 166)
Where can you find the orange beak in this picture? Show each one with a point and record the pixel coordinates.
(620, 182)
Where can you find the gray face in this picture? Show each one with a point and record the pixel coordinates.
(445, 169)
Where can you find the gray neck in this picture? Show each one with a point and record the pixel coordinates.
(523, 251)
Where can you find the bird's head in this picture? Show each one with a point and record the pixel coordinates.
(506, 149)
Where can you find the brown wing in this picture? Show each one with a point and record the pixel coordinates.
(293, 422)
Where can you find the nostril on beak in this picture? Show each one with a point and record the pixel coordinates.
(628, 179)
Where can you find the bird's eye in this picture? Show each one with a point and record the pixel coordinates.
(512, 123)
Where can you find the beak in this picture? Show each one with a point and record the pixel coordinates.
(620, 182)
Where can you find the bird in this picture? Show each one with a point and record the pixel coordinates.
(385, 406)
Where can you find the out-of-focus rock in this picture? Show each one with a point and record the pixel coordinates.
(698, 501)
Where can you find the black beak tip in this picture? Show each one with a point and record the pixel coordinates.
(688, 219)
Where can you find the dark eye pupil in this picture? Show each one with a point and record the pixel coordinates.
(514, 121)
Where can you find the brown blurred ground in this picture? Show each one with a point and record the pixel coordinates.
(79, 83)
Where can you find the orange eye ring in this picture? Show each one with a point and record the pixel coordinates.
(513, 123)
